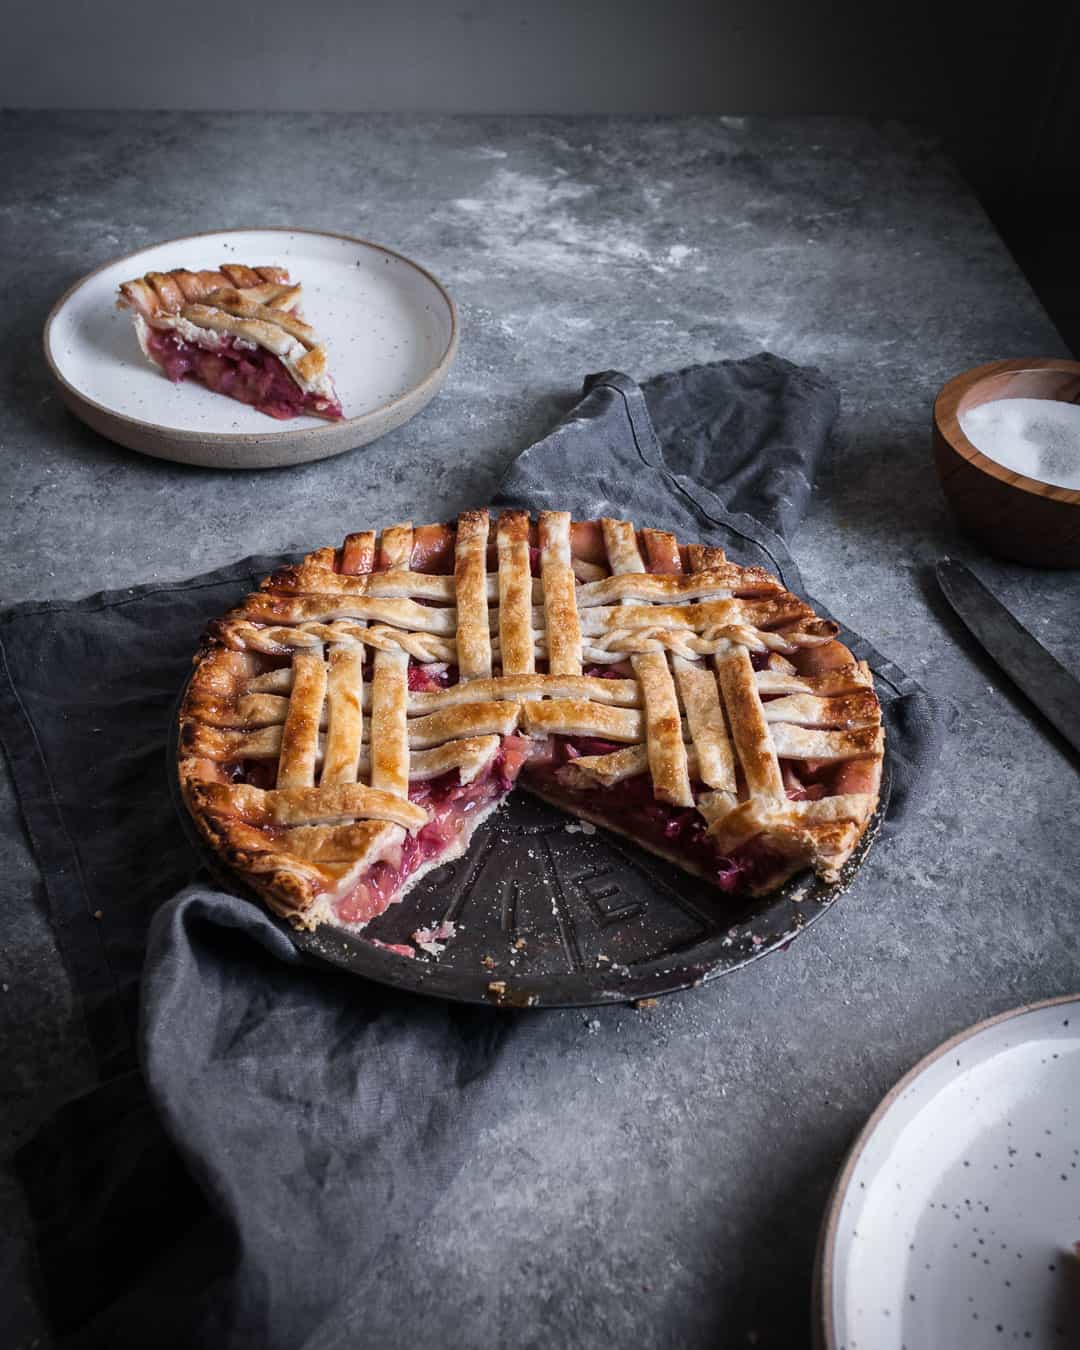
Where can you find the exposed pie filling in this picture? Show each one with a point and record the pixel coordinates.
(297, 746)
(426, 679)
(452, 805)
(242, 371)
(630, 806)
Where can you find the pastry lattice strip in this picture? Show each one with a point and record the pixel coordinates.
(694, 711)
(518, 621)
(853, 678)
(428, 649)
(664, 743)
(705, 726)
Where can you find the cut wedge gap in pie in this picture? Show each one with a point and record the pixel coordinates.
(238, 332)
(349, 726)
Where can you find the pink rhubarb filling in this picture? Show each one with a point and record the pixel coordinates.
(426, 679)
(250, 375)
(453, 806)
(631, 807)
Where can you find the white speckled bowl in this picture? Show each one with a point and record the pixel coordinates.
(390, 327)
(952, 1224)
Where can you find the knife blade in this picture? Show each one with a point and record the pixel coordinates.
(1042, 677)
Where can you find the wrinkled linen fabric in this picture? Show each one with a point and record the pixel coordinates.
(263, 1175)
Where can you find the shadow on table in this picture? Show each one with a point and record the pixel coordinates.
(770, 1308)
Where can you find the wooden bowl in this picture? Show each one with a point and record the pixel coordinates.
(1010, 515)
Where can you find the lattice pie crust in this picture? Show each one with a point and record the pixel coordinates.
(350, 724)
(238, 331)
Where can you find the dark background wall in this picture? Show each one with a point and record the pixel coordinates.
(1000, 83)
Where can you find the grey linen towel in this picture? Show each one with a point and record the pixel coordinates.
(275, 1185)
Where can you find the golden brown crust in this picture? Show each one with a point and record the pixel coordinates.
(591, 771)
(471, 596)
(720, 582)
(788, 753)
(663, 730)
(559, 594)
(581, 717)
(389, 727)
(311, 368)
(272, 304)
(160, 293)
(826, 746)
(344, 713)
(305, 609)
(705, 722)
(620, 693)
(700, 617)
(396, 547)
(254, 305)
(620, 542)
(515, 594)
(268, 702)
(466, 719)
(749, 730)
(260, 327)
(300, 733)
(308, 805)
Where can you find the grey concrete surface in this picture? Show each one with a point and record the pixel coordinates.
(1002, 91)
(708, 1132)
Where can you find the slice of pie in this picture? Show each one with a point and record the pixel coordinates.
(349, 726)
(237, 331)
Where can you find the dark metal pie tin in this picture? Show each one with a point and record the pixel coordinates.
(551, 913)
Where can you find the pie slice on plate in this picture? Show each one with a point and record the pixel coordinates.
(238, 331)
(348, 726)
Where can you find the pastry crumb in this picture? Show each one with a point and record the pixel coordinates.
(488, 962)
(497, 987)
(519, 945)
(646, 1004)
(425, 939)
(434, 940)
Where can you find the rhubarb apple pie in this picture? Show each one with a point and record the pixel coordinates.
(238, 331)
(349, 726)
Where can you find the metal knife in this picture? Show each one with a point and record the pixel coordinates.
(1053, 690)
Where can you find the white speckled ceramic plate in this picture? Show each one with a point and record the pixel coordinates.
(390, 328)
(953, 1223)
